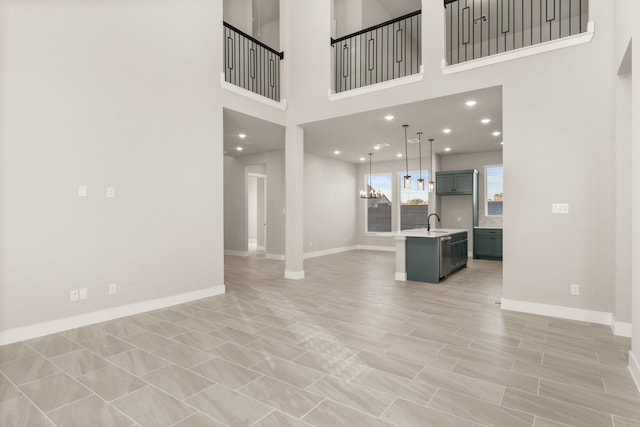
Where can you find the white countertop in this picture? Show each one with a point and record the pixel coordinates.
(490, 228)
(422, 232)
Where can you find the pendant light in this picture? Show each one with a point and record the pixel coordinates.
(420, 180)
(407, 177)
(370, 193)
(432, 174)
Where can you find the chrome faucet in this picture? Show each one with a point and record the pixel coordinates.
(428, 223)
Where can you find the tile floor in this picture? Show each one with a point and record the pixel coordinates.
(347, 346)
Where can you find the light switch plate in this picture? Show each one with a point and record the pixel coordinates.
(560, 208)
(82, 191)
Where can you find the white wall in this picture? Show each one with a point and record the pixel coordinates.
(347, 15)
(632, 17)
(331, 194)
(104, 94)
(239, 14)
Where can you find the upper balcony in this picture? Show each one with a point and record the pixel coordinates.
(382, 52)
(251, 64)
(481, 28)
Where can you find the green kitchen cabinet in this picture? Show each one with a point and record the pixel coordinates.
(487, 243)
(423, 259)
(458, 249)
(463, 182)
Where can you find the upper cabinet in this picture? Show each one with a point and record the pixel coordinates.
(457, 182)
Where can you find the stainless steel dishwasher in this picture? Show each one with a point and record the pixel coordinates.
(445, 256)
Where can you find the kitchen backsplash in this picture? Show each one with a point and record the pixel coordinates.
(490, 221)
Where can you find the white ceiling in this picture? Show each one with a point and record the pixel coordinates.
(357, 134)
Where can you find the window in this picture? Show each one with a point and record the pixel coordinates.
(414, 203)
(379, 210)
(493, 190)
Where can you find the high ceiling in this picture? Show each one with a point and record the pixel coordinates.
(357, 134)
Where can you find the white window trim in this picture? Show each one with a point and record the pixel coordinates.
(365, 203)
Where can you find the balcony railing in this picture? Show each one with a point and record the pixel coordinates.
(251, 64)
(376, 54)
(479, 28)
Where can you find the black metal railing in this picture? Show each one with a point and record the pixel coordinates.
(479, 28)
(251, 64)
(376, 54)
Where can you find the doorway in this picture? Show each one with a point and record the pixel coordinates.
(256, 212)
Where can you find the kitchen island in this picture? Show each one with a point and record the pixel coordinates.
(429, 256)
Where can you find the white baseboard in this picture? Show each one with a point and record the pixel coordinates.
(276, 257)
(622, 329)
(295, 275)
(236, 253)
(376, 248)
(634, 368)
(599, 317)
(54, 326)
(329, 251)
(401, 277)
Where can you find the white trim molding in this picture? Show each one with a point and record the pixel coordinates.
(282, 105)
(294, 275)
(401, 277)
(236, 253)
(562, 312)
(521, 52)
(622, 329)
(634, 368)
(376, 248)
(376, 87)
(329, 251)
(51, 327)
(275, 257)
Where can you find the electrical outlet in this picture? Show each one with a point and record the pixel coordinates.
(113, 288)
(82, 191)
(82, 294)
(73, 295)
(111, 192)
(575, 289)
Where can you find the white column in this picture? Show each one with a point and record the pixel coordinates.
(294, 185)
(401, 255)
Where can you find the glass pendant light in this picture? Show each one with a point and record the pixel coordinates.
(420, 180)
(432, 174)
(370, 193)
(407, 177)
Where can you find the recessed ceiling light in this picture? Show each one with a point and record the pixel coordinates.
(446, 130)
(470, 103)
(447, 149)
(502, 143)
(239, 148)
(389, 117)
(496, 133)
(242, 135)
(399, 155)
(336, 152)
(413, 140)
(362, 159)
(485, 121)
(376, 147)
